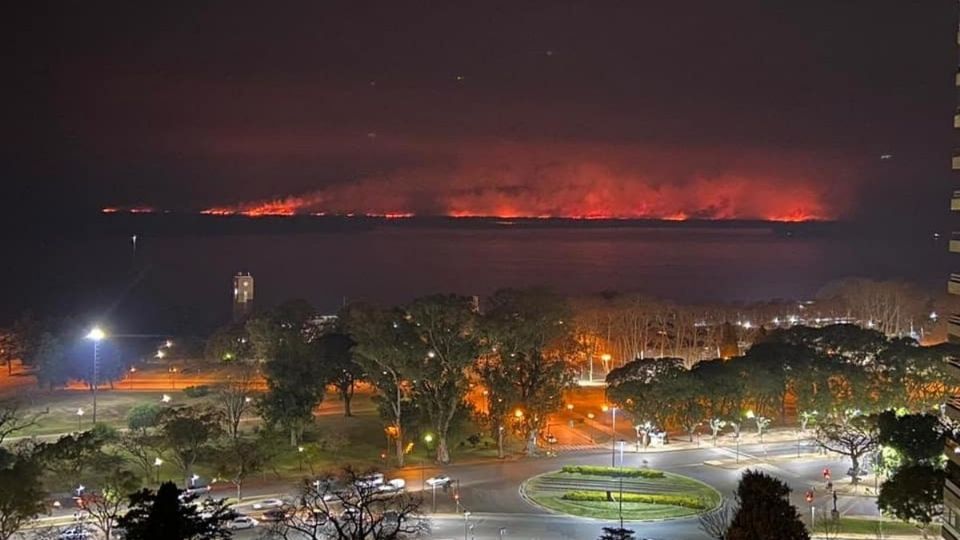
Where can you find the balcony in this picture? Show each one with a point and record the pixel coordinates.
(952, 409)
(955, 201)
(956, 161)
(953, 285)
(953, 329)
(954, 245)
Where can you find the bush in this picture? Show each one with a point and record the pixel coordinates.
(594, 470)
(684, 501)
(196, 391)
(143, 416)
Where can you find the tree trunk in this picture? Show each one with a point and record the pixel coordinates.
(293, 436)
(443, 453)
(532, 443)
(347, 395)
(399, 443)
(500, 453)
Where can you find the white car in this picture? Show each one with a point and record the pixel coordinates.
(268, 503)
(242, 522)
(75, 533)
(394, 486)
(370, 481)
(438, 481)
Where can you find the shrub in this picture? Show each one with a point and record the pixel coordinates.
(684, 501)
(594, 470)
(196, 391)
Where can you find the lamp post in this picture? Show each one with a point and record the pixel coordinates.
(79, 417)
(158, 463)
(466, 523)
(300, 458)
(613, 439)
(95, 334)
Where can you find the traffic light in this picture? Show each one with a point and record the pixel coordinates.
(826, 473)
(808, 496)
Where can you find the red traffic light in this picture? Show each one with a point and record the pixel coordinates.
(826, 473)
(808, 496)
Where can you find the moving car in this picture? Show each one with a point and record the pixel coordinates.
(242, 522)
(277, 514)
(268, 503)
(438, 481)
(393, 486)
(550, 438)
(370, 481)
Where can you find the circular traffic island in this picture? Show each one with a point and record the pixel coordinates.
(595, 492)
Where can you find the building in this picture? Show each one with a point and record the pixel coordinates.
(242, 295)
(951, 489)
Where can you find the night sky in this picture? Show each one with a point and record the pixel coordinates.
(745, 109)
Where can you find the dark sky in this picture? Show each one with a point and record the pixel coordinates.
(665, 109)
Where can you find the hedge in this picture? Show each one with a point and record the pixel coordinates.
(196, 391)
(594, 470)
(684, 501)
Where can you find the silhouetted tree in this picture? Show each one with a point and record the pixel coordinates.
(765, 512)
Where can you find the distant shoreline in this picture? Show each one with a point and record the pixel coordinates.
(172, 223)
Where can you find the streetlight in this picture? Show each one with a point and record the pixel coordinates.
(613, 441)
(158, 463)
(96, 335)
(300, 457)
(79, 417)
(466, 523)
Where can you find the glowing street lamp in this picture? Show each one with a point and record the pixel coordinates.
(300, 457)
(79, 417)
(96, 335)
(158, 463)
(613, 440)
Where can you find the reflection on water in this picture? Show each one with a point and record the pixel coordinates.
(191, 277)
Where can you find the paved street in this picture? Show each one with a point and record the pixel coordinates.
(491, 490)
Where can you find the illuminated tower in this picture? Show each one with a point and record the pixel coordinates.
(951, 491)
(242, 295)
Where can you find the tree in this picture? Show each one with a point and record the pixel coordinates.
(143, 448)
(914, 493)
(531, 343)
(144, 416)
(228, 344)
(295, 386)
(186, 432)
(854, 439)
(765, 511)
(233, 399)
(341, 370)
(80, 457)
(644, 394)
(716, 522)
(13, 418)
(343, 506)
(50, 362)
(166, 515)
(616, 533)
(237, 460)
(385, 346)
(21, 497)
(919, 438)
(446, 329)
(106, 504)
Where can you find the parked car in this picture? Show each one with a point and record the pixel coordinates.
(438, 481)
(242, 522)
(75, 532)
(268, 503)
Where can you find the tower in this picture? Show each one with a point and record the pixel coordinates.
(242, 295)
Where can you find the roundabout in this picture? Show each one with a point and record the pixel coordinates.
(604, 492)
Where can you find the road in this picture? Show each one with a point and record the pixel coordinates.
(491, 491)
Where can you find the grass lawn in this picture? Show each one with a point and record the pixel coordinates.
(58, 410)
(549, 489)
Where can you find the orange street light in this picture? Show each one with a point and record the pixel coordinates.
(605, 408)
(518, 413)
(569, 406)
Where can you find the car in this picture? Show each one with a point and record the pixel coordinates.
(277, 514)
(75, 532)
(195, 490)
(370, 481)
(242, 522)
(393, 486)
(268, 503)
(551, 438)
(438, 481)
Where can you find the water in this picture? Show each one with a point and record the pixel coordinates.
(186, 281)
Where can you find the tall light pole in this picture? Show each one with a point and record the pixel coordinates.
(95, 334)
(79, 418)
(613, 440)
